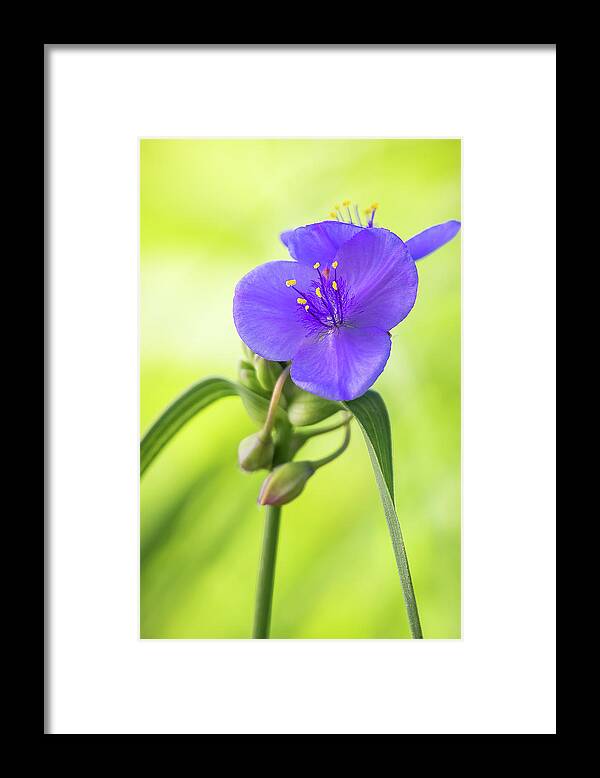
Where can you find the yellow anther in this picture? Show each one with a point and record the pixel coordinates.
(318, 292)
(334, 264)
(306, 307)
(346, 203)
(301, 301)
(334, 284)
(333, 214)
(317, 265)
(374, 206)
(368, 211)
(336, 206)
(291, 282)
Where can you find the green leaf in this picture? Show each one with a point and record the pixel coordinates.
(188, 404)
(374, 421)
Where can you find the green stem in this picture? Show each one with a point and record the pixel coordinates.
(266, 573)
(268, 557)
(275, 396)
(311, 433)
(326, 460)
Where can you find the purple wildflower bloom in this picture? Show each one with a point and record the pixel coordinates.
(330, 310)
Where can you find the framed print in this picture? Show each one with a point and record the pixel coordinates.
(310, 292)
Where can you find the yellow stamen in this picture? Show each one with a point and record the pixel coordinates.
(374, 206)
(317, 265)
(334, 264)
(336, 206)
(318, 292)
(291, 282)
(301, 301)
(334, 284)
(333, 214)
(346, 203)
(306, 307)
(368, 211)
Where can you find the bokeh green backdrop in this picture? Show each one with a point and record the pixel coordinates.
(210, 211)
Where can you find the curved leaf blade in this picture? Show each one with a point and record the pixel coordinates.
(187, 405)
(373, 418)
(374, 421)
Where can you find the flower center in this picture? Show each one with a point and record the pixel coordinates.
(325, 303)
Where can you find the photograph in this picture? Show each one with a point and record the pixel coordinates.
(300, 389)
(300, 384)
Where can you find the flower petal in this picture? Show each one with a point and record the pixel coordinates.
(265, 311)
(341, 364)
(381, 279)
(318, 242)
(431, 239)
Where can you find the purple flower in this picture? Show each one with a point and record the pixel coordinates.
(330, 310)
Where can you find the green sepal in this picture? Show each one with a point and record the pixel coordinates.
(305, 408)
(247, 352)
(267, 372)
(247, 377)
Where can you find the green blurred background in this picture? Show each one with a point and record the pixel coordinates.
(210, 211)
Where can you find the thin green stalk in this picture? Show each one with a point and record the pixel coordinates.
(338, 452)
(268, 557)
(266, 573)
(311, 433)
(274, 403)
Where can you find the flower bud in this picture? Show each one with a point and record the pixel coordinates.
(305, 408)
(247, 352)
(255, 453)
(284, 483)
(267, 372)
(247, 377)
